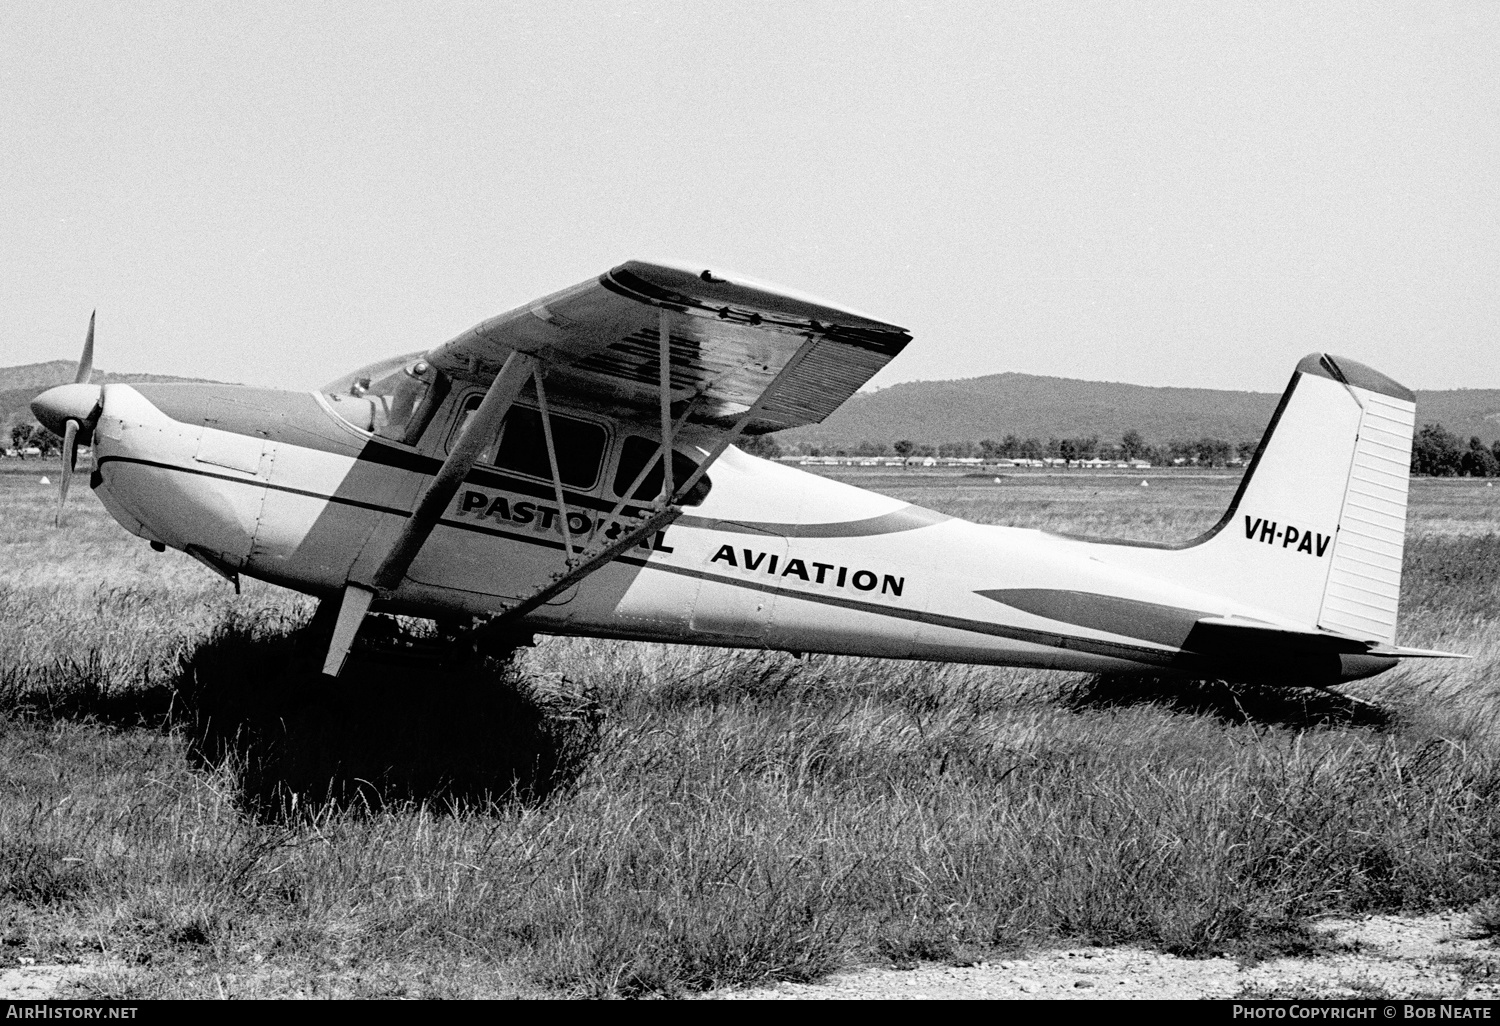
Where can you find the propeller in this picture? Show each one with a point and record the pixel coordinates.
(86, 361)
(72, 411)
(70, 462)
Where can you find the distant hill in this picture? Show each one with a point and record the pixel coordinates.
(1027, 405)
(20, 385)
(969, 409)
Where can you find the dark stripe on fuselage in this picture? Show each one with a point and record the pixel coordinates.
(908, 518)
(484, 477)
(1050, 639)
(97, 479)
(1132, 618)
(297, 418)
(1045, 638)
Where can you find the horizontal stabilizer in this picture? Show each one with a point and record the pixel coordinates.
(1216, 635)
(1264, 653)
(1398, 652)
(1220, 635)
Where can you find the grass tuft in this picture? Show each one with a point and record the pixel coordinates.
(1484, 920)
(40, 873)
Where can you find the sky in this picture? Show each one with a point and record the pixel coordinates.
(1158, 193)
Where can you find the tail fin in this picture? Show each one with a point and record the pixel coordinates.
(1315, 533)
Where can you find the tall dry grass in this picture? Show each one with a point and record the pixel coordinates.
(605, 818)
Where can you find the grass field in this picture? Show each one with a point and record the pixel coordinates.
(182, 801)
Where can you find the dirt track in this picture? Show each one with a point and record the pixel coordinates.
(1387, 956)
(1384, 957)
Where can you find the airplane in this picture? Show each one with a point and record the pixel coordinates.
(569, 468)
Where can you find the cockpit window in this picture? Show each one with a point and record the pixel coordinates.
(634, 455)
(396, 404)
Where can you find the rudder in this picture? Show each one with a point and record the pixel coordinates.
(1364, 580)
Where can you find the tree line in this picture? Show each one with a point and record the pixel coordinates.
(1203, 452)
(1440, 453)
(25, 436)
(1435, 451)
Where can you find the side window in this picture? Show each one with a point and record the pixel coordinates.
(522, 446)
(633, 457)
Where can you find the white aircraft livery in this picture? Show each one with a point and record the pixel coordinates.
(568, 468)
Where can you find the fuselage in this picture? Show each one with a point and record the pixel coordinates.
(281, 486)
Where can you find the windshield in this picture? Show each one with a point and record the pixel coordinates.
(393, 402)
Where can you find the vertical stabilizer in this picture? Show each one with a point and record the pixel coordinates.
(1313, 538)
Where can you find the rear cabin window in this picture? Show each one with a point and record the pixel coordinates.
(523, 446)
(634, 455)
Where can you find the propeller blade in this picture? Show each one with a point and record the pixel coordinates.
(70, 457)
(86, 361)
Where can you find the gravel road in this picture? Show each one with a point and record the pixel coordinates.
(1381, 957)
(1385, 956)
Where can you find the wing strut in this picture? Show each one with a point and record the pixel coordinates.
(664, 379)
(727, 439)
(475, 435)
(658, 513)
(557, 486)
(661, 513)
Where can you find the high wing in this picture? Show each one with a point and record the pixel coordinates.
(730, 338)
(735, 356)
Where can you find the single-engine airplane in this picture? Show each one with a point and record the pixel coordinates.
(568, 468)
